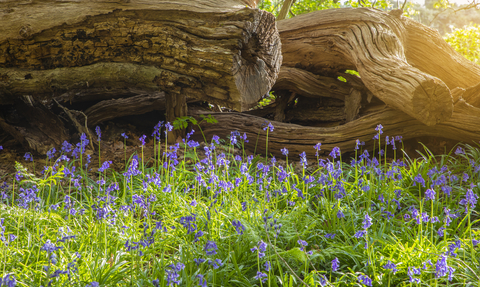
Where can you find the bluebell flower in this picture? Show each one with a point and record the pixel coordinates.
(303, 159)
(284, 151)
(302, 243)
(261, 276)
(441, 267)
(379, 129)
(335, 152)
(210, 248)
(217, 263)
(198, 261)
(98, 132)
(267, 266)
(168, 127)
(470, 200)
(202, 282)
(188, 223)
(459, 151)
(419, 179)
(390, 266)
(335, 264)
(367, 222)
(414, 271)
(360, 233)
(51, 153)
(124, 136)
(105, 166)
(364, 279)
(340, 214)
(172, 273)
(330, 235)
(156, 283)
(93, 284)
(238, 226)
(49, 247)
(268, 126)
(28, 156)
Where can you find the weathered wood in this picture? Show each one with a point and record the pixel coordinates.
(176, 106)
(373, 43)
(137, 105)
(39, 129)
(282, 100)
(460, 127)
(218, 51)
(308, 84)
(352, 105)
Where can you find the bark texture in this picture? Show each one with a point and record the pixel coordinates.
(219, 51)
(100, 55)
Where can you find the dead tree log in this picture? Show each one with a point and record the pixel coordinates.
(462, 126)
(137, 105)
(399, 89)
(375, 44)
(222, 51)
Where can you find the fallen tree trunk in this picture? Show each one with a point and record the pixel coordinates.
(88, 51)
(460, 127)
(374, 43)
(111, 109)
(218, 51)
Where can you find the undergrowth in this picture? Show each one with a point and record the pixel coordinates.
(222, 219)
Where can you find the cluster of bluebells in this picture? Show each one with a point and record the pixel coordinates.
(216, 175)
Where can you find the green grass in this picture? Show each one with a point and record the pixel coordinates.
(131, 228)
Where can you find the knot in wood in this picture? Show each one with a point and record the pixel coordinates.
(25, 31)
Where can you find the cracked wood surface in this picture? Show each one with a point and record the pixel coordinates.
(386, 50)
(219, 51)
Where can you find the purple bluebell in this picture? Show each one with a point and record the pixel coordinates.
(364, 279)
(124, 136)
(340, 214)
(261, 276)
(238, 226)
(168, 127)
(419, 179)
(267, 266)
(284, 151)
(360, 233)
(98, 131)
(202, 282)
(390, 266)
(303, 159)
(28, 156)
(268, 126)
(335, 152)
(470, 200)
(335, 264)
(367, 222)
(105, 166)
(217, 263)
(302, 243)
(51, 153)
(430, 194)
(379, 130)
(210, 248)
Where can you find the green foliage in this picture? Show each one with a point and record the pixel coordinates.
(466, 41)
(130, 227)
(266, 100)
(306, 6)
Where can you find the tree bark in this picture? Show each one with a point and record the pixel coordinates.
(217, 51)
(137, 105)
(461, 126)
(375, 43)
